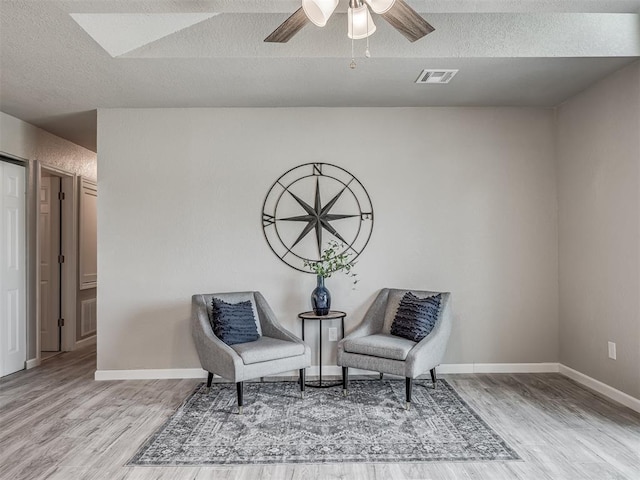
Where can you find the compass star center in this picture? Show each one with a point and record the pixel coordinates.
(318, 217)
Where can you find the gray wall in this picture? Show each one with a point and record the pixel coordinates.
(598, 151)
(465, 201)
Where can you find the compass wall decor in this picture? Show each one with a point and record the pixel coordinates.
(312, 204)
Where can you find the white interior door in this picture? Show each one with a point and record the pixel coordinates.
(49, 266)
(13, 285)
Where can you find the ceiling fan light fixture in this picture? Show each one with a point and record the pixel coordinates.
(360, 23)
(319, 11)
(380, 6)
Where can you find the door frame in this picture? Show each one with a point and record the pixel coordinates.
(69, 285)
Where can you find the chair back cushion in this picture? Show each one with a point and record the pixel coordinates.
(233, 322)
(393, 303)
(416, 317)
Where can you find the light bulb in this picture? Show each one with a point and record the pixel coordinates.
(360, 24)
(380, 6)
(319, 11)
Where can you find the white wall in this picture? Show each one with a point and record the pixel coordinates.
(24, 141)
(599, 208)
(465, 201)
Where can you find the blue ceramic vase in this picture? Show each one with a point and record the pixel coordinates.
(321, 298)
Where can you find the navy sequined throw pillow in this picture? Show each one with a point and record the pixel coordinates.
(416, 317)
(233, 322)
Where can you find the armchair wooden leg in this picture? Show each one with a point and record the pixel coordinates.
(433, 376)
(302, 380)
(345, 380)
(239, 387)
(408, 385)
(209, 380)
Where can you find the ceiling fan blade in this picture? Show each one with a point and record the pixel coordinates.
(289, 27)
(407, 21)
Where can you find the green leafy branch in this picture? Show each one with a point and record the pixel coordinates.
(334, 258)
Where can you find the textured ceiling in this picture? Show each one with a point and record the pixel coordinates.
(119, 33)
(510, 52)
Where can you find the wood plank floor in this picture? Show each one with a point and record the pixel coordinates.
(56, 422)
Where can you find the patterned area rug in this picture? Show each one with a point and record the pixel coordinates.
(370, 425)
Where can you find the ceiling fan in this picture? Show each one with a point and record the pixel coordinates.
(360, 24)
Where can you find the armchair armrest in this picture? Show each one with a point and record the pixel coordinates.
(363, 330)
(269, 322)
(215, 355)
(429, 352)
(372, 320)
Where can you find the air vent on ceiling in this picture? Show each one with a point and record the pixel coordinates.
(436, 76)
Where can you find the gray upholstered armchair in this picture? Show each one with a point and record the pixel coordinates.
(276, 351)
(372, 347)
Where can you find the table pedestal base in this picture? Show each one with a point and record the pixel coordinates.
(333, 315)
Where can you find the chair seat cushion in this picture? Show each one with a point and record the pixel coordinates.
(416, 317)
(380, 345)
(266, 349)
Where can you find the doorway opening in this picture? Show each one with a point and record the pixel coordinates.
(51, 260)
(55, 253)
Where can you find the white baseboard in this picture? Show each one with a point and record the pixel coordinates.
(515, 368)
(602, 388)
(177, 373)
(332, 370)
(335, 370)
(85, 342)
(327, 370)
(150, 374)
(29, 364)
(454, 368)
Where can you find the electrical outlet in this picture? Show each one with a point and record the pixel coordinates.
(333, 334)
(612, 350)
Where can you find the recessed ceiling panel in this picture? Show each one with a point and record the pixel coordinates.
(119, 33)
